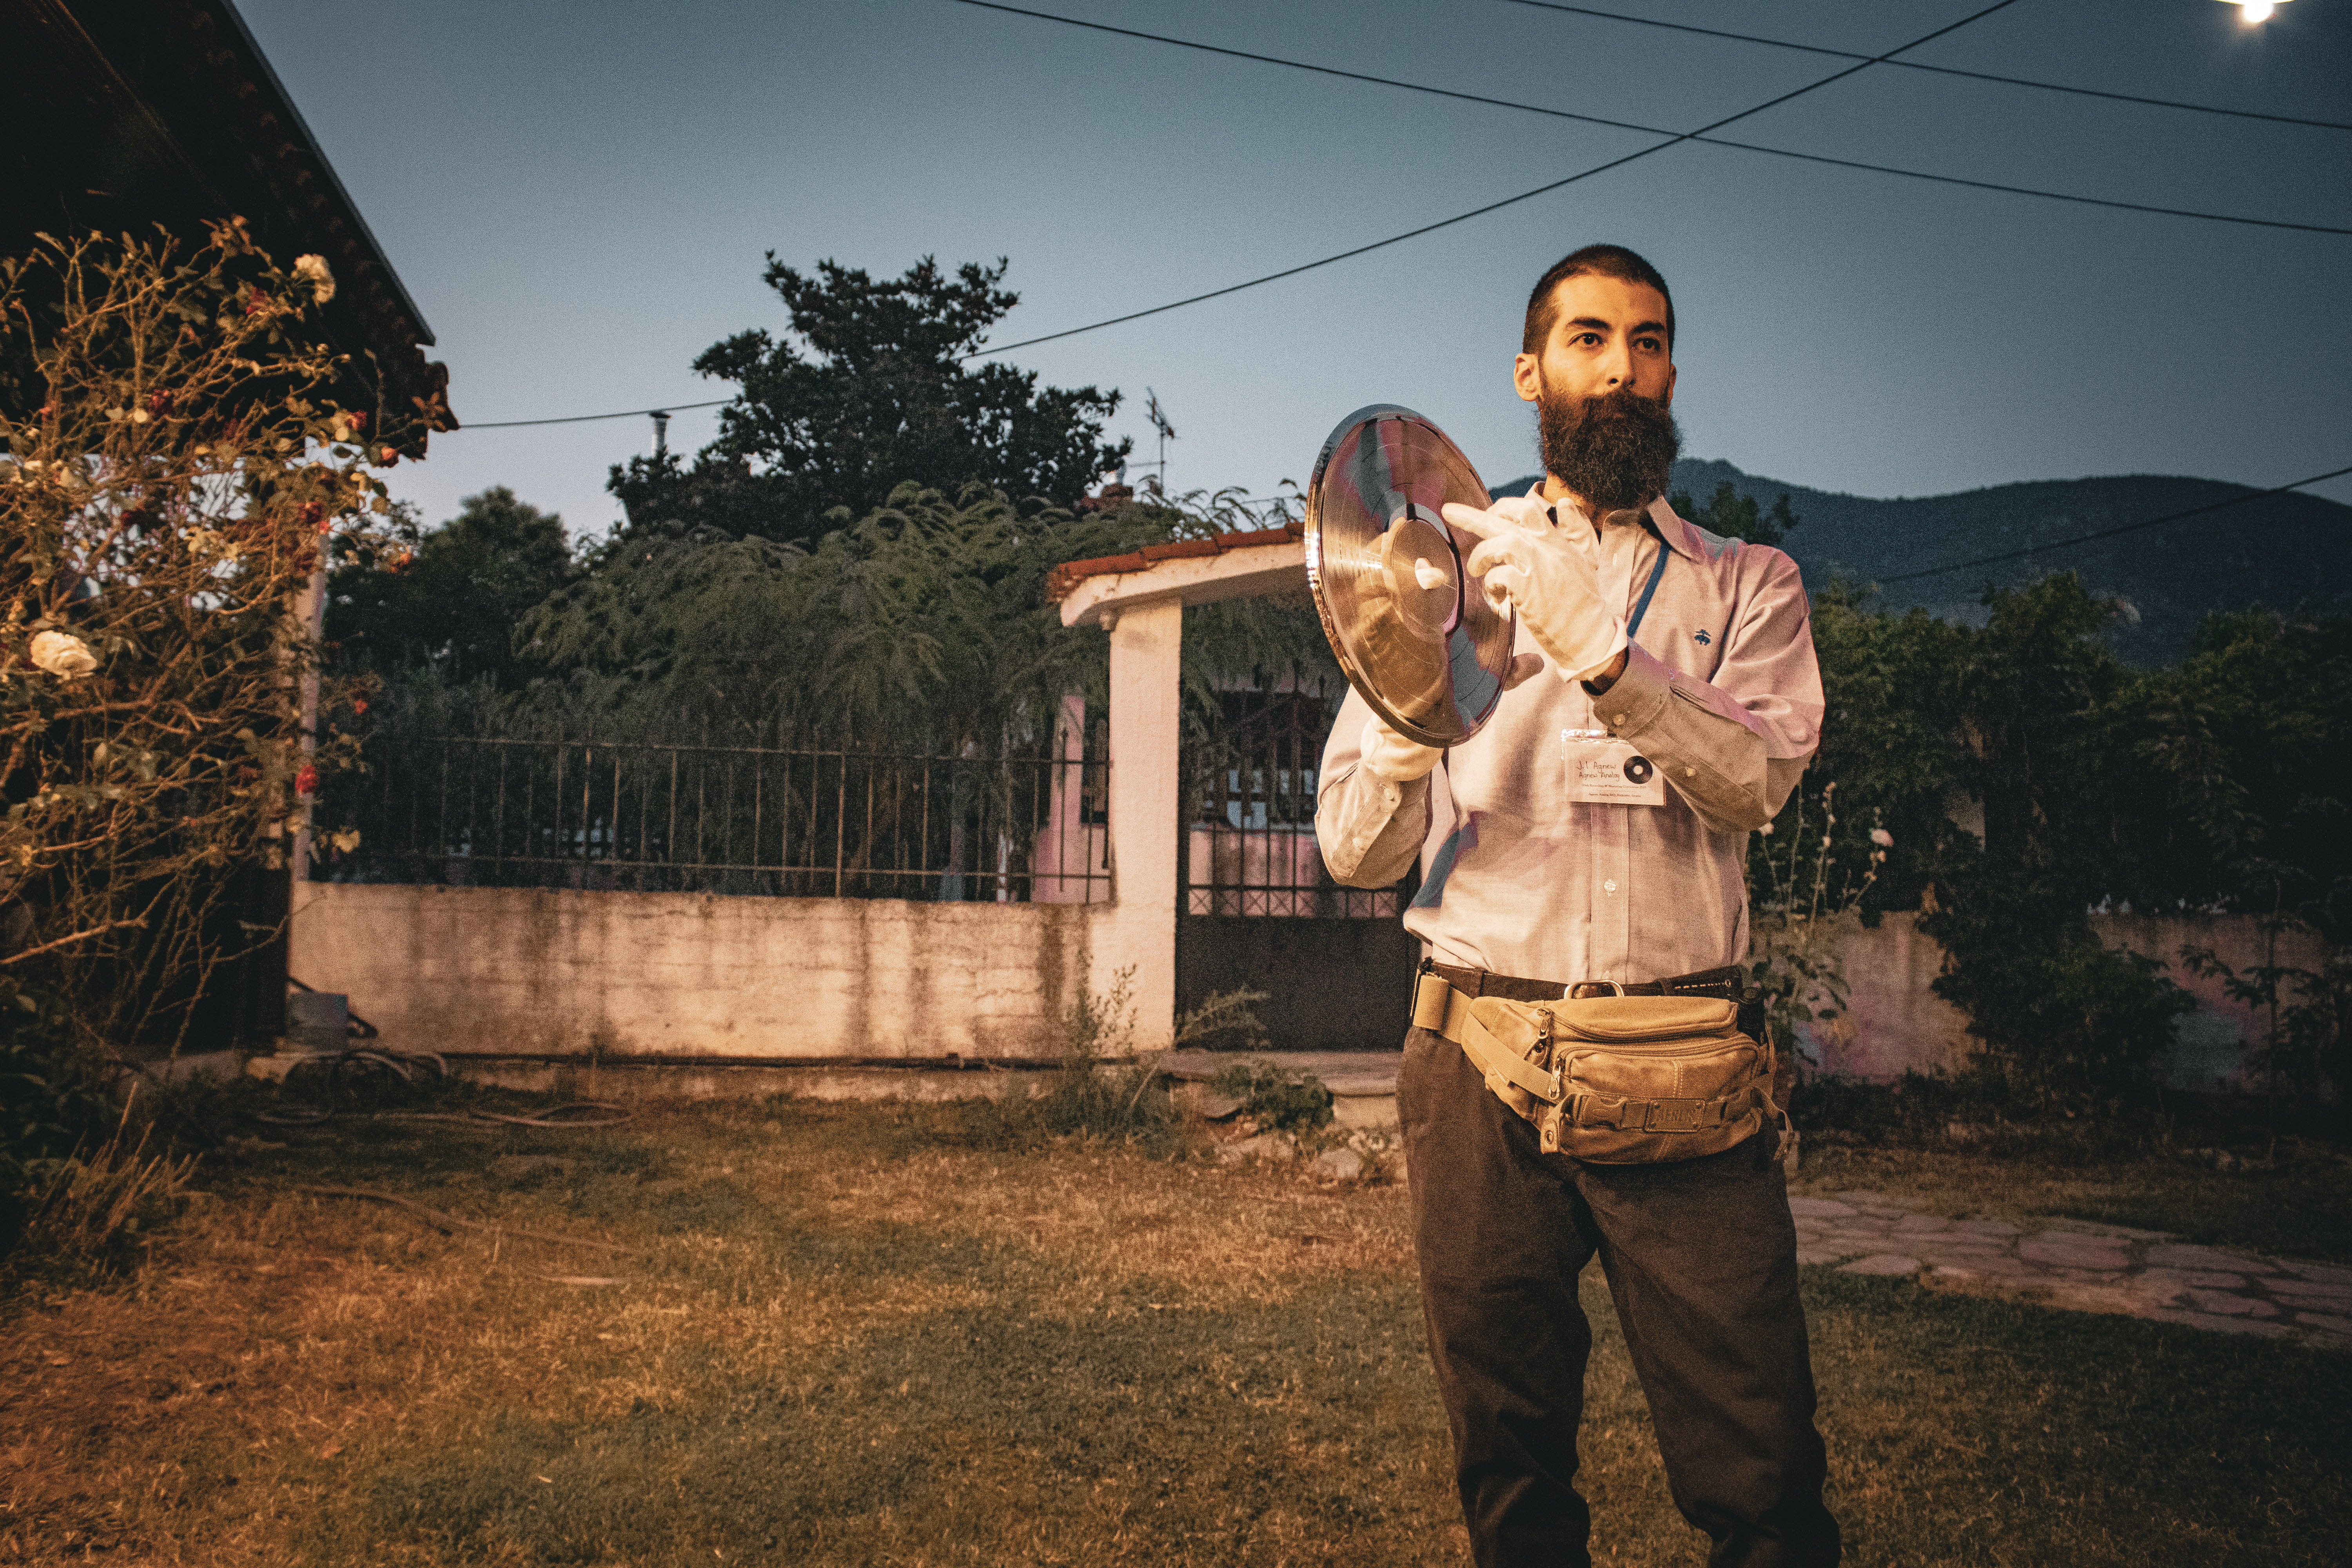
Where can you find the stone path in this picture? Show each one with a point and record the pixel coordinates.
(2091, 1269)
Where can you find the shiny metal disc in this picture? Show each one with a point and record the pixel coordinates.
(1387, 575)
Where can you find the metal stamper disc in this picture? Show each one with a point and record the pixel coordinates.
(1387, 575)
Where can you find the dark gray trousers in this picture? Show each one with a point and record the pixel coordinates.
(1701, 1259)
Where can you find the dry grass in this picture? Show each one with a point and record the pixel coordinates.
(855, 1341)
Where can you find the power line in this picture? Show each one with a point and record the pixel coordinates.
(584, 419)
(1674, 140)
(1490, 206)
(1661, 131)
(2111, 532)
(1939, 70)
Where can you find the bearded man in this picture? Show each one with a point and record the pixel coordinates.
(1689, 658)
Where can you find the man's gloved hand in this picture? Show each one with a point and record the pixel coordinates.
(1547, 575)
(1390, 755)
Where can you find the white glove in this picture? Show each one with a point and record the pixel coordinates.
(1391, 756)
(1548, 576)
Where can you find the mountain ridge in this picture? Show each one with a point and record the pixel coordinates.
(2171, 576)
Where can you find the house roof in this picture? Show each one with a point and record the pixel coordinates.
(123, 114)
(1194, 570)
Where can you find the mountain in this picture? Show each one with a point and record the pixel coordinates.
(2283, 551)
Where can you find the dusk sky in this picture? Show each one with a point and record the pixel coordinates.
(579, 197)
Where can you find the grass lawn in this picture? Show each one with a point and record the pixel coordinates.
(854, 1340)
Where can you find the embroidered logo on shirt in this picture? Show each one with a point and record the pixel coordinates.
(1701, 636)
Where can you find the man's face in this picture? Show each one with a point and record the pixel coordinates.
(1603, 384)
(1605, 333)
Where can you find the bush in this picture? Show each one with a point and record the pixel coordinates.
(1278, 1100)
(53, 1101)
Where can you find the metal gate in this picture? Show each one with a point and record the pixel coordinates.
(1257, 910)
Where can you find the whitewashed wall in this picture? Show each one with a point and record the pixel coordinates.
(514, 970)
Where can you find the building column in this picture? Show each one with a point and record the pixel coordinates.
(1145, 694)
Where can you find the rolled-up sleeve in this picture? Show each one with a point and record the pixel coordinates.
(1370, 829)
(1733, 746)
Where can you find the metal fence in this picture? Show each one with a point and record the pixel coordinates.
(1249, 838)
(794, 822)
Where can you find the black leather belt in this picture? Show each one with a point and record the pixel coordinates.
(1727, 982)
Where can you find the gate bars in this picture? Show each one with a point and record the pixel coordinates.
(795, 822)
(1248, 843)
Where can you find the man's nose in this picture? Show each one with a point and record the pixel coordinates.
(1617, 365)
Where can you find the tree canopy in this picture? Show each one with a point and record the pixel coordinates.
(873, 386)
(448, 597)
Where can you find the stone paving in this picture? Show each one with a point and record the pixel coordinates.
(2092, 1268)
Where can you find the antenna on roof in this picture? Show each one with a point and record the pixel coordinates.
(1167, 434)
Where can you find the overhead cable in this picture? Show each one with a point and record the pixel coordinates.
(1545, 189)
(1673, 140)
(1660, 130)
(2111, 532)
(1939, 70)
(584, 419)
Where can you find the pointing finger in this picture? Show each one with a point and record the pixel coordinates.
(1471, 520)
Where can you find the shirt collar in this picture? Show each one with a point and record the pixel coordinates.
(1681, 537)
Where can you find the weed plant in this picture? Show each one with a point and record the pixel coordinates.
(86, 1215)
(1276, 1100)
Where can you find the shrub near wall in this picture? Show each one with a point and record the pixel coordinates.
(173, 460)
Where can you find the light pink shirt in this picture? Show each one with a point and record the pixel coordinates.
(1720, 690)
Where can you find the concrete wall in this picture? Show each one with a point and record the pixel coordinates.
(1893, 1024)
(499, 970)
(517, 971)
(1896, 1024)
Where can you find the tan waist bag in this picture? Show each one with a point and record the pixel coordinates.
(1615, 1080)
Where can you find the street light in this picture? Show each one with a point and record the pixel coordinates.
(2254, 13)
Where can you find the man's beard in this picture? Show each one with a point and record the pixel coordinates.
(1613, 452)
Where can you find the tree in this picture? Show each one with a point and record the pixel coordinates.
(1734, 516)
(922, 622)
(871, 391)
(2034, 696)
(451, 597)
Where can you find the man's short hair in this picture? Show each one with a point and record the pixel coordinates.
(1602, 260)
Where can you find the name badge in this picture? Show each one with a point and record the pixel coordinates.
(1603, 770)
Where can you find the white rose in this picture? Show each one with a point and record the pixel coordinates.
(63, 654)
(313, 269)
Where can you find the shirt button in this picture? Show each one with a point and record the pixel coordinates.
(1619, 720)
(1610, 886)
(1688, 771)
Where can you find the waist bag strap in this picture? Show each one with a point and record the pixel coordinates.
(1438, 1006)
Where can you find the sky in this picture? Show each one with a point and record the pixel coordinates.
(581, 196)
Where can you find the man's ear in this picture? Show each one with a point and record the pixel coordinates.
(1671, 374)
(1526, 375)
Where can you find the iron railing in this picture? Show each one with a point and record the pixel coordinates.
(1249, 844)
(805, 821)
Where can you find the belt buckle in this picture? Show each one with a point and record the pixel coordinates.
(1584, 988)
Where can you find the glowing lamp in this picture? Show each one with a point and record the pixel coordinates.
(2254, 13)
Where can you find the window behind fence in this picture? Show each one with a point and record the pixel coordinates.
(1249, 839)
(792, 822)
